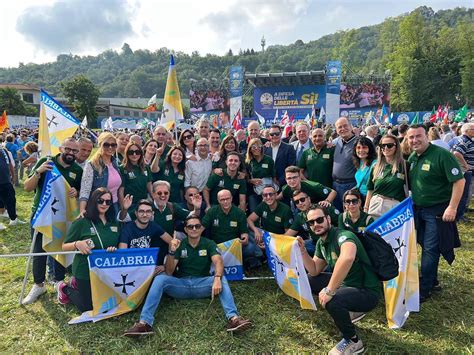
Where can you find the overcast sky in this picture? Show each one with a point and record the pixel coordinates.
(38, 30)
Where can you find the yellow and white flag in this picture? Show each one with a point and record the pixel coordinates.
(56, 211)
(402, 295)
(286, 263)
(231, 252)
(119, 281)
(172, 108)
(56, 124)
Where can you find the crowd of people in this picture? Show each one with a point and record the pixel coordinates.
(364, 95)
(322, 185)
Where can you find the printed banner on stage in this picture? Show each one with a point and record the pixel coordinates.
(56, 211)
(236, 81)
(397, 227)
(119, 281)
(333, 76)
(296, 100)
(60, 122)
(286, 263)
(231, 252)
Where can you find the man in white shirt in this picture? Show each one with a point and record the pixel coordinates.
(198, 171)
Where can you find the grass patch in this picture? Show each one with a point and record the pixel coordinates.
(444, 325)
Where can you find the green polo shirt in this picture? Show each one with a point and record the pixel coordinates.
(82, 229)
(135, 182)
(359, 275)
(165, 153)
(318, 166)
(345, 222)
(223, 227)
(176, 180)
(388, 184)
(276, 221)
(432, 175)
(263, 169)
(72, 174)
(167, 218)
(195, 262)
(315, 191)
(235, 185)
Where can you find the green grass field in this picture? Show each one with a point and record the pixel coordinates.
(444, 325)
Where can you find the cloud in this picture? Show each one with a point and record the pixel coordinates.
(77, 25)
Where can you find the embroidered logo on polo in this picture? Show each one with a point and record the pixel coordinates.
(454, 171)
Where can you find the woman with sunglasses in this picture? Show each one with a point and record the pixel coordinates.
(97, 230)
(259, 167)
(101, 171)
(187, 141)
(353, 219)
(387, 185)
(363, 157)
(136, 176)
(172, 170)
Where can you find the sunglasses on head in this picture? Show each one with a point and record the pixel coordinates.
(387, 145)
(109, 145)
(194, 226)
(318, 220)
(300, 200)
(351, 201)
(134, 152)
(102, 201)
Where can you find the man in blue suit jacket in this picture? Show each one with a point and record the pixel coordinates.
(283, 154)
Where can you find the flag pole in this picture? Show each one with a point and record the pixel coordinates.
(27, 271)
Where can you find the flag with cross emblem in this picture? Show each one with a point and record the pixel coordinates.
(119, 281)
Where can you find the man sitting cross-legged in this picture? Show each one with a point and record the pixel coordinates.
(190, 260)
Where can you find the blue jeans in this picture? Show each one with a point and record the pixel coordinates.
(427, 237)
(185, 288)
(340, 189)
(464, 202)
(251, 249)
(310, 246)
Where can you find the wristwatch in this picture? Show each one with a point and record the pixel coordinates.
(219, 276)
(171, 253)
(328, 292)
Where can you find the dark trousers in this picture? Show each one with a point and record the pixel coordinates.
(346, 299)
(82, 296)
(8, 197)
(39, 262)
(463, 203)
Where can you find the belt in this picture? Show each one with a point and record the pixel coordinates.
(344, 181)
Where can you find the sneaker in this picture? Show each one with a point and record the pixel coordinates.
(238, 324)
(2, 227)
(62, 297)
(4, 214)
(15, 222)
(35, 292)
(138, 330)
(347, 347)
(356, 316)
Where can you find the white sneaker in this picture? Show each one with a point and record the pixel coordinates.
(16, 222)
(4, 214)
(2, 227)
(35, 292)
(347, 347)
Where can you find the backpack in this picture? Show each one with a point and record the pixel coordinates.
(383, 261)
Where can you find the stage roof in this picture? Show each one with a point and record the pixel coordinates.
(313, 77)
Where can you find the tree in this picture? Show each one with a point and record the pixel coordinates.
(10, 101)
(83, 95)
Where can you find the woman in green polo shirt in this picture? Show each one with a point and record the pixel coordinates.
(259, 166)
(136, 176)
(150, 156)
(387, 184)
(353, 219)
(97, 230)
(172, 170)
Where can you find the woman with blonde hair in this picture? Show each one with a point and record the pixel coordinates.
(387, 185)
(101, 171)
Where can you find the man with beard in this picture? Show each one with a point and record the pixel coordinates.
(72, 172)
(351, 289)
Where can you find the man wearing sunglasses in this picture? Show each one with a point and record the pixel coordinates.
(283, 154)
(190, 261)
(351, 289)
(274, 216)
(65, 162)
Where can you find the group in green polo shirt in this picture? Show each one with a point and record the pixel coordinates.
(222, 226)
(195, 261)
(432, 175)
(318, 165)
(359, 275)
